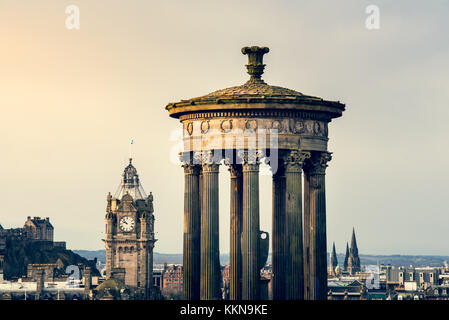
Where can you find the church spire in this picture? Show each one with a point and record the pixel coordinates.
(334, 261)
(354, 260)
(354, 248)
(345, 265)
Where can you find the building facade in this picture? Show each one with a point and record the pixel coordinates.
(39, 229)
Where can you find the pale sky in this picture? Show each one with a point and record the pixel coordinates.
(71, 100)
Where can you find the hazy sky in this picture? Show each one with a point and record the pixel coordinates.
(71, 100)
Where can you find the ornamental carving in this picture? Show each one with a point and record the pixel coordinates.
(189, 128)
(297, 126)
(226, 126)
(294, 160)
(317, 164)
(252, 156)
(316, 128)
(251, 125)
(211, 168)
(191, 169)
(276, 125)
(205, 126)
(309, 127)
(205, 157)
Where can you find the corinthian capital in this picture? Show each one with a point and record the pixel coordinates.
(190, 168)
(251, 156)
(317, 164)
(294, 160)
(205, 157)
(250, 159)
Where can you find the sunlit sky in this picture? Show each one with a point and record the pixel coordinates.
(71, 101)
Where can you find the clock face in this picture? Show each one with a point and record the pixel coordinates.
(127, 224)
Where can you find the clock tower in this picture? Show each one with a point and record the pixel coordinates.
(129, 237)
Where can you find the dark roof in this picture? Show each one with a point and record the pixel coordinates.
(37, 221)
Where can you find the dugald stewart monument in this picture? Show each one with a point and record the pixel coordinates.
(242, 127)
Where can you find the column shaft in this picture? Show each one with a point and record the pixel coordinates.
(279, 239)
(293, 212)
(192, 225)
(250, 232)
(293, 206)
(235, 269)
(306, 239)
(210, 254)
(315, 176)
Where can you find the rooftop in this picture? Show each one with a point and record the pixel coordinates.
(130, 184)
(254, 91)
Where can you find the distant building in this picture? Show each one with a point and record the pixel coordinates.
(344, 289)
(172, 277)
(34, 229)
(38, 229)
(411, 278)
(42, 284)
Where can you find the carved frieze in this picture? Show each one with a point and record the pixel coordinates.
(222, 133)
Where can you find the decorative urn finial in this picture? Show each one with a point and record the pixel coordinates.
(255, 64)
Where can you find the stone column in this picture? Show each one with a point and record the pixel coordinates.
(250, 227)
(316, 228)
(293, 211)
(279, 239)
(210, 253)
(306, 240)
(235, 268)
(192, 228)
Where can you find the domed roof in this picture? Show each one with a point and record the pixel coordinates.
(130, 184)
(251, 89)
(254, 91)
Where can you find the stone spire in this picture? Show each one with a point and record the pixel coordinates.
(354, 260)
(345, 264)
(334, 261)
(354, 248)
